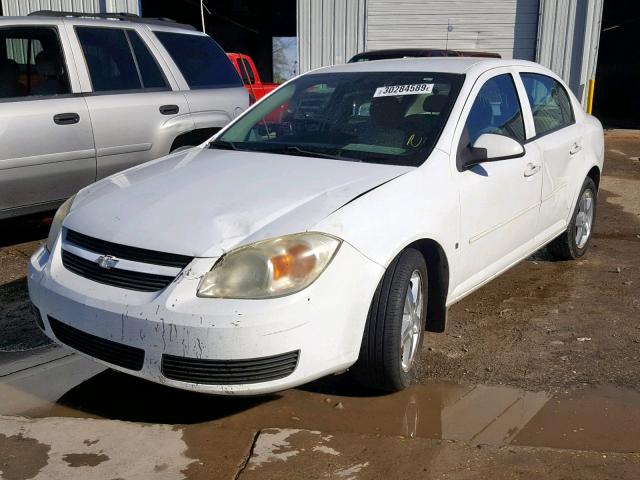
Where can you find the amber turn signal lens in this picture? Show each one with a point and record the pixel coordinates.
(297, 262)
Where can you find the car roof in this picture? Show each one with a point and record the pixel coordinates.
(390, 53)
(459, 65)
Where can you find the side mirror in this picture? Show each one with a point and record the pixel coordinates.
(490, 147)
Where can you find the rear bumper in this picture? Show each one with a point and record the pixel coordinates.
(207, 338)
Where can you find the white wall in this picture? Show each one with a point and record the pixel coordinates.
(507, 27)
(329, 31)
(25, 7)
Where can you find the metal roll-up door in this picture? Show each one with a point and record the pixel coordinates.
(507, 27)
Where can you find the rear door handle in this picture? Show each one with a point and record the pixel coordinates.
(575, 148)
(66, 118)
(169, 109)
(532, 169)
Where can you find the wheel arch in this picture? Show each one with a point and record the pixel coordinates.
(594, 174)
(438, 282)
(193, 137)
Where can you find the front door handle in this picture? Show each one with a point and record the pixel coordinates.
(531, 169)
(169, 109)
(575, 148)
(66, 118)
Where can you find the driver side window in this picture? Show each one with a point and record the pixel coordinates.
(496, 110)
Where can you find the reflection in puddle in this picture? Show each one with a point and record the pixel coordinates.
(75, 387)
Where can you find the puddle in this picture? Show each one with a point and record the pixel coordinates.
(604, 419)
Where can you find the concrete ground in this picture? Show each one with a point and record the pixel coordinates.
(538, 376)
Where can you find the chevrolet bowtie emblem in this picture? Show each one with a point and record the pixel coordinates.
(107, 261)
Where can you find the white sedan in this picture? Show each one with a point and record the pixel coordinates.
(325, 229)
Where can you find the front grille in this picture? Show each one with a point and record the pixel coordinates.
(100, 348)
(125, 252)
(140, 281)
(229, 372)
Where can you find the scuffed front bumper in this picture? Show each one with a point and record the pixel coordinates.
(324, 322)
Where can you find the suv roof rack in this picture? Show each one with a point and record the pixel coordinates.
(123, 16)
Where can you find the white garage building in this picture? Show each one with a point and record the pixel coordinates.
(561, 34)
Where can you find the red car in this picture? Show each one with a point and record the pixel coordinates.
(250, 76)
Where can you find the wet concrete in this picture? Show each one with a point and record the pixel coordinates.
(308, 430)
(62, 448)
(21, 457)
(597, 419)
(314, 454)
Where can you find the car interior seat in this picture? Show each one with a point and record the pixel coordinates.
(49, 66)
(10, 85)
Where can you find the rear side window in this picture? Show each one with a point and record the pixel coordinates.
(32, 63)
(550, 103)
(118, 60)
(201, 61)
(150, 72)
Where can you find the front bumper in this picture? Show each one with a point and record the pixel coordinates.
(323, 323)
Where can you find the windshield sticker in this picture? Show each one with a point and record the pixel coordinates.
(393, 90)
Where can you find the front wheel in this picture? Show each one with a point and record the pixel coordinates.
(574, 241)
(395, 325)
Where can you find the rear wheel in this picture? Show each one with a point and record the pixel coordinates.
(395, 325)
(574, 242)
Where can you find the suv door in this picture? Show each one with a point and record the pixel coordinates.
(559, 140)
(499, 200)
(47, 152)
(211, 84)
(135, 106)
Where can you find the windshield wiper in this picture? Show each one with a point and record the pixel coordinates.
(223, 145)
(295, 150)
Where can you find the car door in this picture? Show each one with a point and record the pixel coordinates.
(135, 105)
(499, 200)
(559, 139)
(47, 152)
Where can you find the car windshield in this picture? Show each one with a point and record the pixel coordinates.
(376, 117)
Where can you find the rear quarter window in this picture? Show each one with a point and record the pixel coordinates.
(201, 61)
(550, 103)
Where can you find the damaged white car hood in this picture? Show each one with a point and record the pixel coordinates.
(203, 203)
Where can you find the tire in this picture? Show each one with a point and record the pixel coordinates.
(380, 364)
(567, 246)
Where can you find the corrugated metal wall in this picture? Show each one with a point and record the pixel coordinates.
(25, 7)
(329, 31)
(568, 40)
(508, 27)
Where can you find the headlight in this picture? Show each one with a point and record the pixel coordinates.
(270, 268)
(56, 224)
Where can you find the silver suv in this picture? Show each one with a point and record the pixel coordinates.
(82, 98)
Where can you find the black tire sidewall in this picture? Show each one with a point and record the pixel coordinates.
(588, 184)
(409, 261)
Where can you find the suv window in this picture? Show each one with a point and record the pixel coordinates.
(550, 103)
(32, 63)
(497, 110)
(152, 76)
(118, 60)
(202, 62)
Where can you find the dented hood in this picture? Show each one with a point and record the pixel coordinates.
(205, 202)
